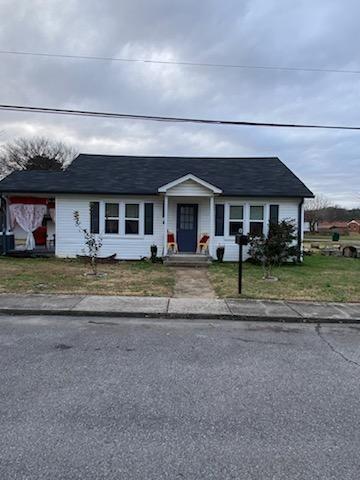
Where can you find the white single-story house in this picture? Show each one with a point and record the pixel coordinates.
(134, 202)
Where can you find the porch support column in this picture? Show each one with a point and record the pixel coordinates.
(7, 215)
(212, 225)
(165, 222)
(3, 205)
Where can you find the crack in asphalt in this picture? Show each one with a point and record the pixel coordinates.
(263, 342)
(298, 312)
(102, 323)
(62, 346)
(332, 348)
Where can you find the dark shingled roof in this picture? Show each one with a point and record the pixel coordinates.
(108, 174)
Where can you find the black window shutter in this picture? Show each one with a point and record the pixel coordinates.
(274, 214)
(94, 217)
(219, 220)
(149, 219)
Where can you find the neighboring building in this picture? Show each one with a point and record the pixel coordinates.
(136, 201)
(354, 226)
(335, 226)
(340, 226)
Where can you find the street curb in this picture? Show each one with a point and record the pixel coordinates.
(176, 316)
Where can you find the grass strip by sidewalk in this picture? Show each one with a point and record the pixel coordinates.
(52, 275)
(319, 278)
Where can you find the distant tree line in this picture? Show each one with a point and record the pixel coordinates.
(332, 214)
(319, 209)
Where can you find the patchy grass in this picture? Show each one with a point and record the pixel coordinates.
(51, 275)
(318, 237)
(318, 278)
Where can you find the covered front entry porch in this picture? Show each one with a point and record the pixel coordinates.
(189, 225)
(189, 217)
(188, 222)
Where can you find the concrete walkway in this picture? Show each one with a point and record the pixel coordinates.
(162, 307)
(192, 283)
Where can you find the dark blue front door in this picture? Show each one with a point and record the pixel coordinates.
(187, 227)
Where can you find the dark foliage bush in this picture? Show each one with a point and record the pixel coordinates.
(278, 247)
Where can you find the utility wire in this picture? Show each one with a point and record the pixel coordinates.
(155, 118)
(173, 62)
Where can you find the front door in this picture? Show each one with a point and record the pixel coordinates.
(186, 235)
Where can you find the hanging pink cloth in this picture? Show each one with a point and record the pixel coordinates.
(29, 218)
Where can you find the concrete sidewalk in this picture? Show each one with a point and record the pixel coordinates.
(162, 307)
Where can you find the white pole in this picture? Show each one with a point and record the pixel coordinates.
(212, 225)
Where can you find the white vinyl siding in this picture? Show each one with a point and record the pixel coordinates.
(189, 188)
(288, 210)
(70, 242)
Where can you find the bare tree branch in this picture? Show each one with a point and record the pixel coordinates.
(314, 208)
(38, 153)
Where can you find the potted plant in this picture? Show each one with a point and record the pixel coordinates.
(153, 250)
(220, 253)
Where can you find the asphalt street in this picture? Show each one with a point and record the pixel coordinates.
(99, 398)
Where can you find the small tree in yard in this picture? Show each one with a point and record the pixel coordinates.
(93, 242)
(275, 249)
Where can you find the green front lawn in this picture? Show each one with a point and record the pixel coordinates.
(52, 275)
(319, 278)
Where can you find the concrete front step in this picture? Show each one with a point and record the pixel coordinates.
(187, 260)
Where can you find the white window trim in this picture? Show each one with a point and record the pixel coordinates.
(111, 218)
(246, 216)
(140, 219)
(122, 234)
(264, 220)
(227, 218)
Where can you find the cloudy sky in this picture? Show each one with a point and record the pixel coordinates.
(305, 33)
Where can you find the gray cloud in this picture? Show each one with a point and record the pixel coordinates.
(269, 32)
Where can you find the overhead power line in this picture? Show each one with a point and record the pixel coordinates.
(174, 62)
(156, 118)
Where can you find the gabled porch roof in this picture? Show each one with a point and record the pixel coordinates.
(187, 178)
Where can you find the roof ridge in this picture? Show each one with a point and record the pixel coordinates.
(190, 157)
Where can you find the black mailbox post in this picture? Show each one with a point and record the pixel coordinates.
(241, 240)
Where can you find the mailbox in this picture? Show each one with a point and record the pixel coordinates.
(241, 239)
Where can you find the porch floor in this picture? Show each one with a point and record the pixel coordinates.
(38, 252)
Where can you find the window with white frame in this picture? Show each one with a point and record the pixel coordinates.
(236, 218)
(256, 220)
(132, 216)
(111, 218)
